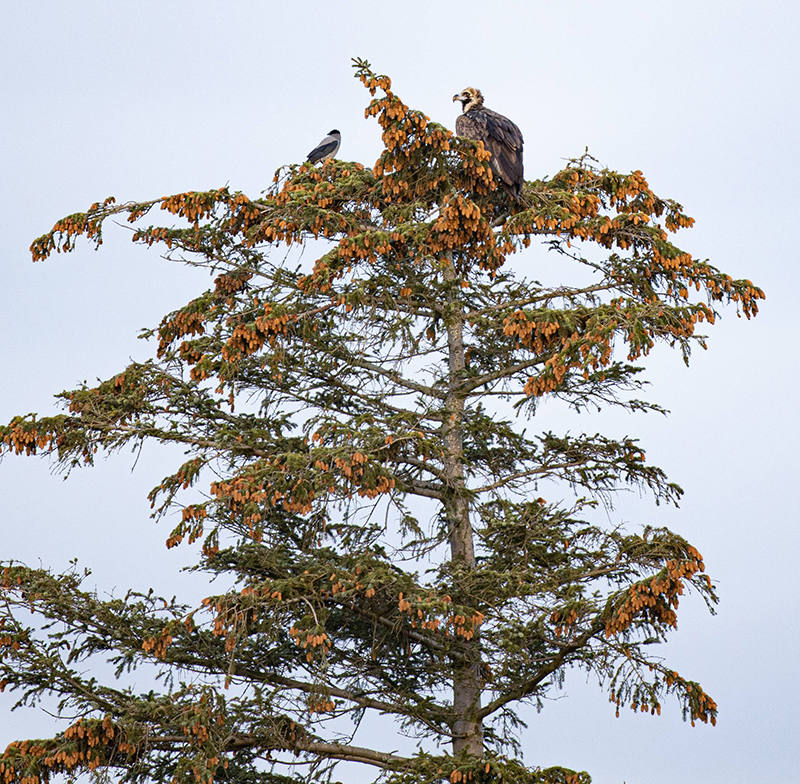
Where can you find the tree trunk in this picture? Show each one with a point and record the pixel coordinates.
(467, 727)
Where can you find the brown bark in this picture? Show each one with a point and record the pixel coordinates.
(467, 727)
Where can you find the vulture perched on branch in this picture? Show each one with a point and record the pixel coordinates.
(499, 135)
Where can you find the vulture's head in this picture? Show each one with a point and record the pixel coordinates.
(470, 97)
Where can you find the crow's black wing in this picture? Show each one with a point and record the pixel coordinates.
(327, 146)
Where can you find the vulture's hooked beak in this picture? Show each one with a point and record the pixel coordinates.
(458, 97)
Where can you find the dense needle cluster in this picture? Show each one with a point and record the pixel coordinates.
(392, 538)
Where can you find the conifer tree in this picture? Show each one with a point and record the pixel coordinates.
(394, 531)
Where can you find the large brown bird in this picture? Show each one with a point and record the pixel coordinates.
(499, 135)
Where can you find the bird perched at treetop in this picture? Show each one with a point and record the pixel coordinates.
(501, 137)
(326, 148)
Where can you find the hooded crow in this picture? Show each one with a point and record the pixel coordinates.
(326, 148)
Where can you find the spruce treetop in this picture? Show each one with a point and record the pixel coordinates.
(362, 470)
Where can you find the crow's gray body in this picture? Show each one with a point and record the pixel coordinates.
(327, 148)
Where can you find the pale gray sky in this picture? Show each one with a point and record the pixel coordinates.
(148, 98)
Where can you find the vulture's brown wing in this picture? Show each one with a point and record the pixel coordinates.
(504, 141)
(472, 125)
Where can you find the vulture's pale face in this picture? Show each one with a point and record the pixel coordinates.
(470, 98)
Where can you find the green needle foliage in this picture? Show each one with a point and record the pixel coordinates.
(360, 475)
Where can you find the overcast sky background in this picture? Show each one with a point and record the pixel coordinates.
(144, 99)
